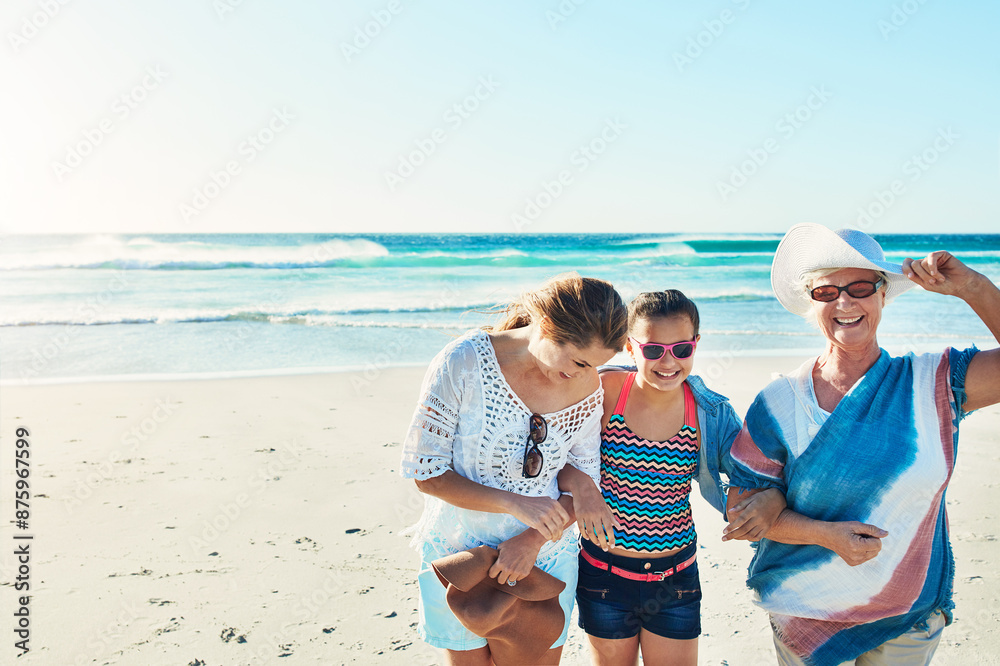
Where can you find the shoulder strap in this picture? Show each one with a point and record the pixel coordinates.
(690, 408)
(623, 396)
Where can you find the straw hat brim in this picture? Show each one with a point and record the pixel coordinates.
(808, 247)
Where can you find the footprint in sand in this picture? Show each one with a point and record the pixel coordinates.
(172, 625)
(229, 634)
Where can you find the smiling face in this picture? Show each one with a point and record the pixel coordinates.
(665, 373)
(848, 322)
(565, 362)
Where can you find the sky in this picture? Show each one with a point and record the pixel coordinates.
(727, 116)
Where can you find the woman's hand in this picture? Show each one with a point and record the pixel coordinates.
(517, 556)
(855, 542)
(543, 513)
(941, 273)
(753, 517)
(594, 517)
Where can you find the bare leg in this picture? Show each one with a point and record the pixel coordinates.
(477, 657)
(615, 651)
(482, 657)
(668, 651)
(552, 657)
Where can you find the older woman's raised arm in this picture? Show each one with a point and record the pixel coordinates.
(942, 273)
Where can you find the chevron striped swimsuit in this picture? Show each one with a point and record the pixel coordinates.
(647, 484)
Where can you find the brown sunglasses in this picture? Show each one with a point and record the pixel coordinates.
(533, 459)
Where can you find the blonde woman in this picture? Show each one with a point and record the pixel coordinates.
(501, 412)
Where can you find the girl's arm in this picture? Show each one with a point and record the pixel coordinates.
(593, 517)
(754, 515)
(854, 542)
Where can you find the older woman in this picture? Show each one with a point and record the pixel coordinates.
(859, 567)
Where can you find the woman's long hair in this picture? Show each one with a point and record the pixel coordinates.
(570, 309)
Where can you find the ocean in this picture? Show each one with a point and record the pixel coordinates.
(82, 307)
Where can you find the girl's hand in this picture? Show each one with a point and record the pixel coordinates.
(594, 517)
(517, 557)
(751, 519)
(543, 513)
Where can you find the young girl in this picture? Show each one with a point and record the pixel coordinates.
(638, 585)
(501, 412)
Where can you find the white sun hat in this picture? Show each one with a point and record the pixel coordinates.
(808, 247)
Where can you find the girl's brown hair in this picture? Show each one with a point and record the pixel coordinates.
(570, 309)
(666, 303)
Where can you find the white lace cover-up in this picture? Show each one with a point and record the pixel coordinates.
(469, 420)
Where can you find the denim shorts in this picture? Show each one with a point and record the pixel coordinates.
(614, 607)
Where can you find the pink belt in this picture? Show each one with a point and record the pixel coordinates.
(642, 577)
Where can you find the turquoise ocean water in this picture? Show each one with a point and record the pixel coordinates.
(84, 306)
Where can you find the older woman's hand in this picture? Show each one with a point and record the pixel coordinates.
(855, 542)
(940, 272)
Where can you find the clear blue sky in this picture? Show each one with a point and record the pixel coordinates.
(723, 116)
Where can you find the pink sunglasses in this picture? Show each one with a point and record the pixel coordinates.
(652, 351)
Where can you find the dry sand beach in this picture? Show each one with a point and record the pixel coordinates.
(253, 521)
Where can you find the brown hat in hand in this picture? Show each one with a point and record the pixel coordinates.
(520, 622)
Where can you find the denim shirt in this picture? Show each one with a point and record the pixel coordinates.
(718, 426)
